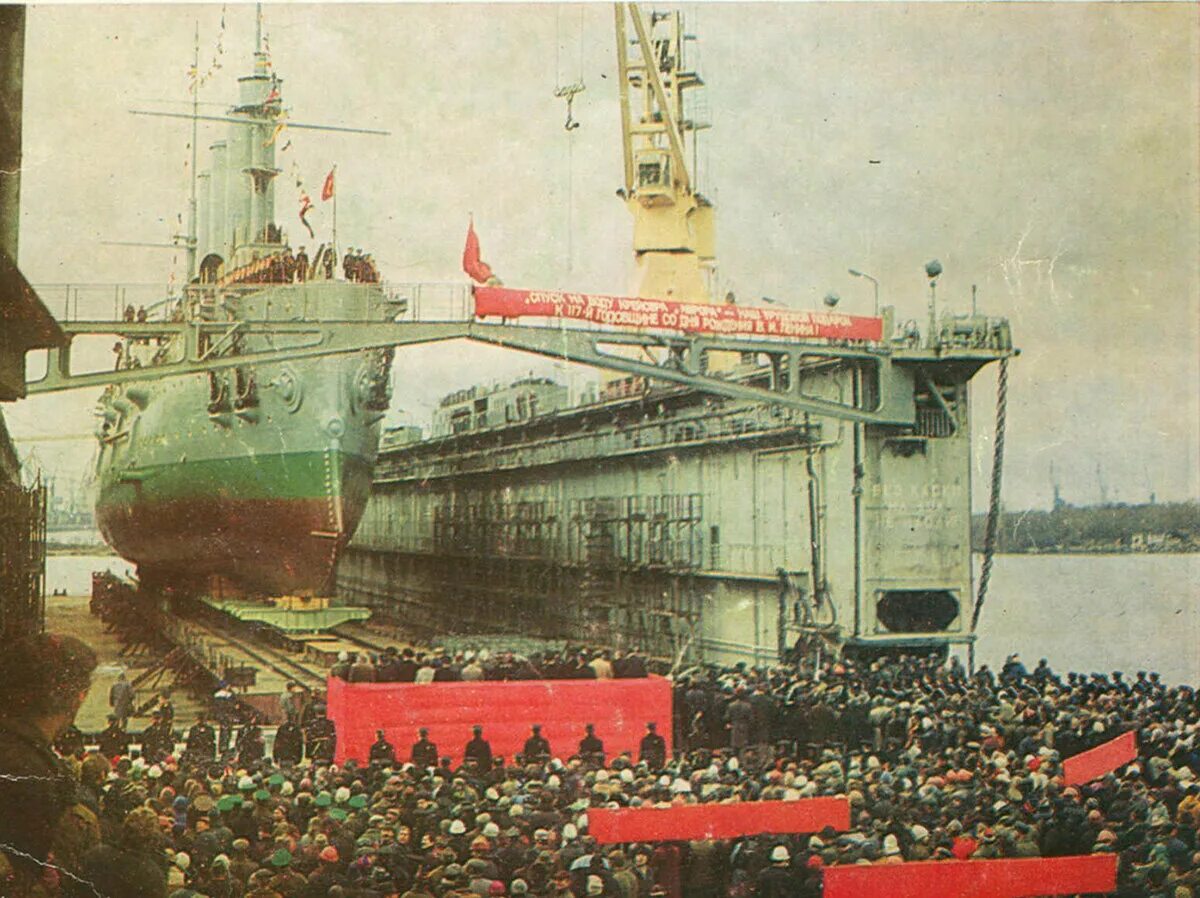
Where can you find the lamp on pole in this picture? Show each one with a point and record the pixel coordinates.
(862, 274)
(932, 270)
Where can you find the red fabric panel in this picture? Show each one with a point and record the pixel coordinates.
(717, 821)
(692, 317)
(1095, 762)
(1008, 878)
(620, 709)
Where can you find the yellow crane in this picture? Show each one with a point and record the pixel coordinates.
(673, 223)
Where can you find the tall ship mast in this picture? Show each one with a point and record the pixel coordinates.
(254, 474)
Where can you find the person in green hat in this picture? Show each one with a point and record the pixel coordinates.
(286, 881)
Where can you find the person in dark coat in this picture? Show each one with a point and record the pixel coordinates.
(321, 738)
(537, 747)
(301, 265)
(591, 748)
(43, 681)
(157, 739)
(739, 720)
(406, 667)
(653, 748)
(120, 699)
(113, 740)
(289, 743)
(250, 748)
(424, 752)
(201, 741)
(478, 751)
(777, 880)
(382, 751)
(129, 869)
(70, 743)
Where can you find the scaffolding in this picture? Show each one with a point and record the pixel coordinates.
(22, 559)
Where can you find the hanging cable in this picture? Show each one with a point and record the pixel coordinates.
(993, 518)
(569, 92)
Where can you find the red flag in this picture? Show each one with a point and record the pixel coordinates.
(327, 187)
(472, 264)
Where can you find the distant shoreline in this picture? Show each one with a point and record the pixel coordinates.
(56, 549)
(1101, 550)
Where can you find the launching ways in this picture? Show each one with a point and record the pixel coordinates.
(890, 371)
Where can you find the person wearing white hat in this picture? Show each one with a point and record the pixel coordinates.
(891, 850)
(777, 880)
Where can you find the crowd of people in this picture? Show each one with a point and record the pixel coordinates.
(394, 665)
(937, 764)
(286, 267)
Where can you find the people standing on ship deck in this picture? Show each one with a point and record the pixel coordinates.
(301, 265)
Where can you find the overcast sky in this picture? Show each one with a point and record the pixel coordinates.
(1046, 152)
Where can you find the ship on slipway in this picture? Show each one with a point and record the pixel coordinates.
(254, 474)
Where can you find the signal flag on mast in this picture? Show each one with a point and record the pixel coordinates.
(327, 187)
(305, 205)
(478, 270)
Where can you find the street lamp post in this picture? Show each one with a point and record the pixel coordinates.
(861, 274)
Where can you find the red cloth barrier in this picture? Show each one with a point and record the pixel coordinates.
(1007, 878)
(1105, 758)
(717, 821)
(620, 709)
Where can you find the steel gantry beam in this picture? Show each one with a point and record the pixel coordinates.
(194, 351)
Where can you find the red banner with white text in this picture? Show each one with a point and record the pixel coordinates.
(1007, 878)
(1104, 758)
(620, 710)
(663, 314)
(717, 821)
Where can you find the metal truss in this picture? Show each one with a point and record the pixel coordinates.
(681, 363)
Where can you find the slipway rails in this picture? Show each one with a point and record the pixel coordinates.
(890, 371)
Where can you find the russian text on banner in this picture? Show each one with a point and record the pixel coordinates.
(1104, 758)
(1007, 878)
(620, 710)
(717, 821)
(663, 314)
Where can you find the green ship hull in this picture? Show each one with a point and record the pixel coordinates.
(258, 475)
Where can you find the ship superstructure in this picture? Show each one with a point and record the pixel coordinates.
(684, 523)
(256, 474)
